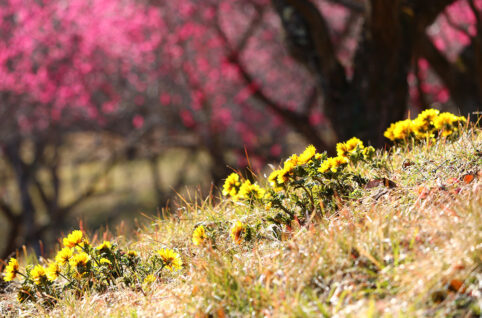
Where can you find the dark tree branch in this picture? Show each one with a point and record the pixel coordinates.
(8, 211)
(296, 120)
(477, 45)
(250, 30)
(12, 235)
(309, 40)
(442, 66)
(460, 77)
(310, 101)
(353, 5)
(427, 11)
(43, 195)
(113, 159)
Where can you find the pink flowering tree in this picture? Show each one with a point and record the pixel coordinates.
(65, 67)
(365, 63)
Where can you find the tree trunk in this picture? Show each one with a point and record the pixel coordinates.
(23, 175)
(377, 94)
(382, 63)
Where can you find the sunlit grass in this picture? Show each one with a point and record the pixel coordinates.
(414, 249)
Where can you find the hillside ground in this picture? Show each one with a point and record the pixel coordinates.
(409, 248)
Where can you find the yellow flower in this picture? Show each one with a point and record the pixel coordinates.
(149, 279)
(342, 149)
(273, 180)
(292, 161)
(73, 239)
(231, 185)
(53, 271)
(11, 270)
(199, 235)
(250, 191)
(422, 129)
(389, 133)
(339, 161)
(104, 260)
(427, 117)
(306, 156)
(448, 132)
(105, 246)
(354, 144)
(38, 274)
(325, 166)
(171, 259)
(236, 232)
(63, 256)
(446, 120)
(79, 260)
(423, 125)
(284, 174)
(332, 164)
(257, 192)
(403, 129)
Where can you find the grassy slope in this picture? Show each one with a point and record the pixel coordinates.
(412, 250)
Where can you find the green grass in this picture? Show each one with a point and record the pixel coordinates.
(414, 250)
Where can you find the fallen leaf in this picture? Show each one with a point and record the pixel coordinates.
(380, 182)
(468, 178)
(221, 313)
(456, 285)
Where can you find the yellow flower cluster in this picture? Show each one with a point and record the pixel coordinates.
(427, 124)
(246, 190)
(83, 267)
(278, 178)
(332, 164)
(250, 191)
(344, 149)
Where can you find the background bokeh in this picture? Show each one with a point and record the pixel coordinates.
(111, 110)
